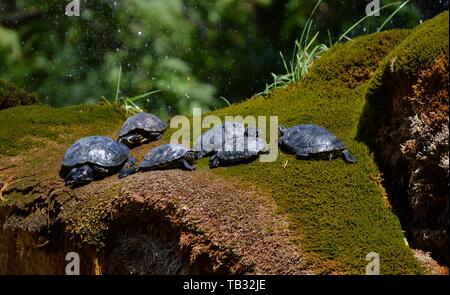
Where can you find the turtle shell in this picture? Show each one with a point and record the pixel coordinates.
(310, 139)
(244, 145)
(99, 150)
(212, 140)
(164, 154)
(142, 121)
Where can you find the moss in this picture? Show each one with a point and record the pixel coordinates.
(88, 219)
(399, 70)
(28, 126)
(335, 209)
(11, 95)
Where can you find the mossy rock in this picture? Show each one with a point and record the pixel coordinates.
(405, 122)
(337, 211)
(12, 95)
(30, 125)
(400, 69)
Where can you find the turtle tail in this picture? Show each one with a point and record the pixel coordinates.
(348, 157)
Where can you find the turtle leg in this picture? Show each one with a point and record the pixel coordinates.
(155, 136)
(130, 163)
(214, 162)
(186, 165)
(80, 176)
(128, 168)
(347, 157)
(100, 172)
(127, 172)
(200, 155)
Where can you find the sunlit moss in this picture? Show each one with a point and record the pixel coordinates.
(336, 209)
(24, 126)
(400, 68)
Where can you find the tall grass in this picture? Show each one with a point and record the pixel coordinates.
(307, 49)
(127, 104)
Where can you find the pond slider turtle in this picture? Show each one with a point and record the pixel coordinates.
(166, 156)
(242, 149)
(94, 157)
(312, 141)
(141, 128)
(213, 139)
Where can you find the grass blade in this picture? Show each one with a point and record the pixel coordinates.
(118, 83)
(391, 16)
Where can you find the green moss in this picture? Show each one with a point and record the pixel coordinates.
(88, 219)
(335, 209)
(28, 126)
(11, 95)
(399, 70)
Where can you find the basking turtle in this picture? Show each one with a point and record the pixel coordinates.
(312, 141)
(94, 157)
(212, 140)
(141, 128)
(166, 156)
(242, 149)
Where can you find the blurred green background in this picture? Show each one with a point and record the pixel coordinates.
(194, 51)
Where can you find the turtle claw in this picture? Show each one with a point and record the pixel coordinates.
(348, 158)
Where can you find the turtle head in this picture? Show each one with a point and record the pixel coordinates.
(132, 140)
(79, 176)
(282, 129)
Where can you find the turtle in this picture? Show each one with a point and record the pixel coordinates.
(94, 157)
(312, 141)
(165, 156)
(243, 149)
(212, 140)
(141, 128)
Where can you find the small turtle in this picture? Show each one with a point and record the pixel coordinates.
(212, 140)
(141, 128)
(166, 156)
(242, 149)
(94, 157)
(312, 141)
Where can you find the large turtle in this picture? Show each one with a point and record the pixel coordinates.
(243, 149)
(141, 128)
(94, 157)
(312, 141)
(166, 156)
(213, 139)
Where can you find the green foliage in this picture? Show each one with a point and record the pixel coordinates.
(336, 210)
(12, 95)
(307, 50)
(30, 125)
(126, 104)
(194, 51)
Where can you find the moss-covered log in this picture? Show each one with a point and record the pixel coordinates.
(284, 217)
